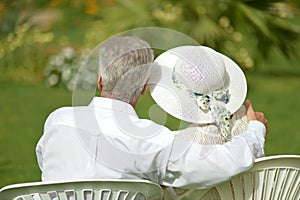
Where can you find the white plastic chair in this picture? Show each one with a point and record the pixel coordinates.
(271, 178)
(84, 190)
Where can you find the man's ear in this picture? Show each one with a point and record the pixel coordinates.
(100, 82)
(145, 88)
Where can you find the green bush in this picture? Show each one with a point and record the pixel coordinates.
(23, 53)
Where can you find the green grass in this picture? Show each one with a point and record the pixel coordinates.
(278, 97)
(24, 108)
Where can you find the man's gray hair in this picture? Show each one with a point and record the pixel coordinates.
(125, 67)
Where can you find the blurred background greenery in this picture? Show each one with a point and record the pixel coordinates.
(42, 42)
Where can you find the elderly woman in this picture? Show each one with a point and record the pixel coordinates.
(201, 86)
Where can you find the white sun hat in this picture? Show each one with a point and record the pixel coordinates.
(184, 73)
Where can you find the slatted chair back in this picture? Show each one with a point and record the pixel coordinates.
(271, 178)
(84, 190)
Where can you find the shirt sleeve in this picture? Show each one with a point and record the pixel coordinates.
(195, 166)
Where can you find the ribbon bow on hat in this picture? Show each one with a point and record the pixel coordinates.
(215, 103)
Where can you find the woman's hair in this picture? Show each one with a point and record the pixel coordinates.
(125, 67)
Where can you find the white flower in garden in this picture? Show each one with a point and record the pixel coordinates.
(63, 69)
(66, 73)
(53, 79)
(58, 61)
(70, 84)
(68, 53)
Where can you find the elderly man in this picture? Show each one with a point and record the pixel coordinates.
(106, 139)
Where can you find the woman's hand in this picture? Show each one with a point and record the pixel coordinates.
(252, 115)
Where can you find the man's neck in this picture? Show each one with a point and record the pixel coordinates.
(133, 103)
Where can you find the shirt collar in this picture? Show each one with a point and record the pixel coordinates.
(112, 104)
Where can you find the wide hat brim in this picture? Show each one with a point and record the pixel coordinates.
(178, 102)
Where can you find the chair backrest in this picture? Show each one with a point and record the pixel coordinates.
(83, 190)
(272, 178)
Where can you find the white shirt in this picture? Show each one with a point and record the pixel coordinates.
(106, 139)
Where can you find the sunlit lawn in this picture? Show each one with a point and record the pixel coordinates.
(279, 98)
(24, 107)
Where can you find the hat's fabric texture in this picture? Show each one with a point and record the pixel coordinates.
(186, 78)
